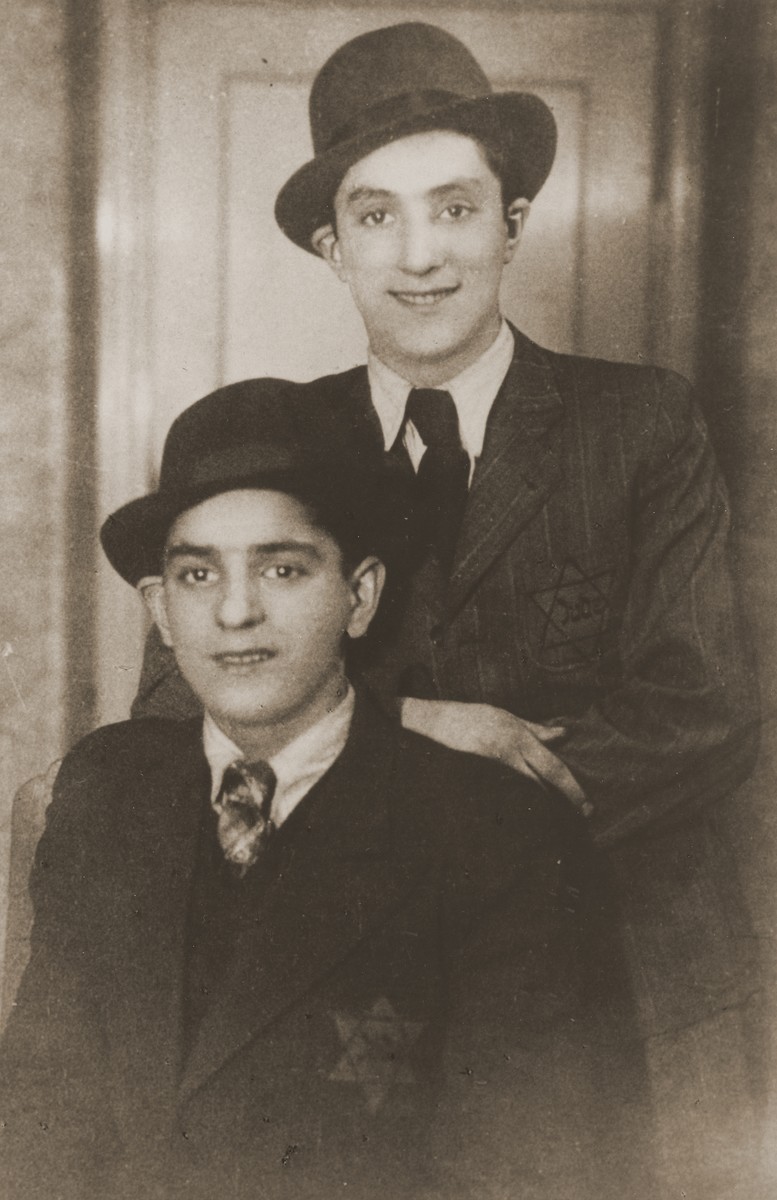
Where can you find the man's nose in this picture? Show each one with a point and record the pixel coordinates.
(240, 603)
(421, 248)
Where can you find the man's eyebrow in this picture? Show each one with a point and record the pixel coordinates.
(189, 550)
(367, 193)
(463, 183)
(290, 547)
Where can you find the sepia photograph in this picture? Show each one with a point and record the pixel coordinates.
(388, 651)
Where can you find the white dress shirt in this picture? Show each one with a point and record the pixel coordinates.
(474, 391)
(298, 766)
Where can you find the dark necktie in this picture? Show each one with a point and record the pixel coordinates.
(443, 474)
(243, 806)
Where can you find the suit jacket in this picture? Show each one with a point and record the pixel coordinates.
(420, 1003)
(591, 587)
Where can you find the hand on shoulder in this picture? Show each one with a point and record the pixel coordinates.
(495, 733)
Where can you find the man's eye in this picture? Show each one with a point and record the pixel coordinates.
(196, 575)
(455, 212)
(378, 216)
(283, 571)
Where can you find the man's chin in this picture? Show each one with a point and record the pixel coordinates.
(432, 347)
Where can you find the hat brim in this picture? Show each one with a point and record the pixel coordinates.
(134, 537)
(521, 122)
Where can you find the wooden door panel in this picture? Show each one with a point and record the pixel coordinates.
(285, 314)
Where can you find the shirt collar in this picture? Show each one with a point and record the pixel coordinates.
(298, 766)
(473, 390)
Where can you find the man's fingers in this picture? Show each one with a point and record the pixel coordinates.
(520, 765)
(545, 733)
(494, 733)
(529, 748)
(549, 768)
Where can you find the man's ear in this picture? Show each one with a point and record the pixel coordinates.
(153, 593)
(515, 219)
(366, 587)
(324, 242)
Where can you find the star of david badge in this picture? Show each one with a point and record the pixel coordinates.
(576, 612)
(376, 1052)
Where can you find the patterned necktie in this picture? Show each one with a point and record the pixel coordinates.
(443, 474)
(243, 806)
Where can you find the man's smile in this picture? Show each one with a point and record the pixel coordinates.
(237, 659)
(424, 299)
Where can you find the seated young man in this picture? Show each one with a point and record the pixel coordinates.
(293, 950)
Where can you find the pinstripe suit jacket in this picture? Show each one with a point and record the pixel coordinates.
(591, 587)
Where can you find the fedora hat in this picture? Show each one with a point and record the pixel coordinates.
(263, 433)
(405, 79)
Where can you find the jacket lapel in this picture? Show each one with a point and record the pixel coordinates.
(339, 874)
(517, 471)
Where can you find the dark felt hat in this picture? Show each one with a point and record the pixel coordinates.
(405, 79)
(266, 433)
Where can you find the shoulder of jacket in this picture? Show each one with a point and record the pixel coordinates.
(637, 379)
(634, 398)
(338, 382)
(461, 798)
(128, 744)
(104, 773)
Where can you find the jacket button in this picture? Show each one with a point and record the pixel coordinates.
(437, 635)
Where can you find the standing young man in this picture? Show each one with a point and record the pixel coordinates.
(574, 616)
(292, 950)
